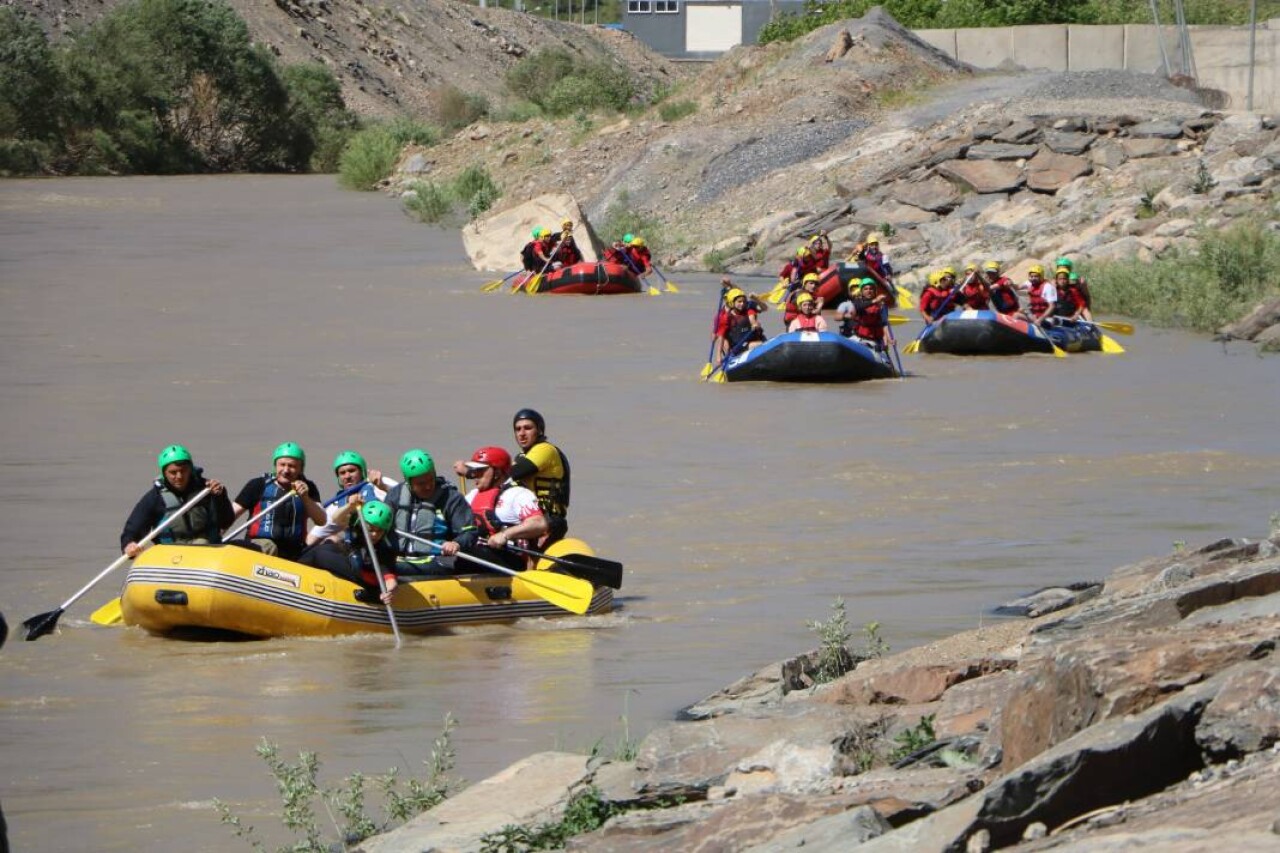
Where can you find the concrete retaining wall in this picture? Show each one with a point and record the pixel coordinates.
(1220, 54)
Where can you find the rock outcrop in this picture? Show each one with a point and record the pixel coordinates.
(1144, 712)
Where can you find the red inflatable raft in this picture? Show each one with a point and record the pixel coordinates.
(590, 278)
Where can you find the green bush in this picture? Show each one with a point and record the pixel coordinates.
(369, 157)
(30, 80)
(676, 110)
(560, 84)
(517, 112)
(406, 130)
(622, 218)
(316, 96)
(474, 189)
(428, 202)
(22, 157)
(455, 109)
(1201, 287)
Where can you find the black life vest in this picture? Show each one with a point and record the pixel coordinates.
(199, 522)
(285, 523)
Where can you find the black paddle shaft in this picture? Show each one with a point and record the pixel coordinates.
(599, 571)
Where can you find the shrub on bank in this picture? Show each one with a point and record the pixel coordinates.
(560, 84)
(622, 218)
(473, 190)
(160, 86)
(1202, 287)
(372, 153)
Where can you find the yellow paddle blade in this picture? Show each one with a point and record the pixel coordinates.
(895, 320)
(706, 369)
(911, 348)
(532, 285)
(1118, 328)
(653, 291)
(1058, 352)
(671, 287)
(109, 613)
(573, 594)
(720, 377)
(1111, 346)
(904, 297)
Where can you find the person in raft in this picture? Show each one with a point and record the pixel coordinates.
(972, 294)
(1072, 304)
(505, 511)
(1004, 299)
(355, 483)
(536, 252)
(820, 245)
(283, 531)
(349, 558)
(809, 319)
(871, 316)
(640, 256)
(179, 482)
(1080, 283)
(430, 507)
(543, 468)
(566, 252)
(1042, 296)
(933, 299)
(738, 328)
(809, 285)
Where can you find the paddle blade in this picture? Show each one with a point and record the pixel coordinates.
(671, 287)
(40, 624)
(911, 348)
(1111, 346)
(596, 570)
(895, 320)
(1118, 328)
(653, 291)
(706, 370)
(720, 378)
(110, 613)
(572, 594)
(1058, 352)
(491, 286)
(904, 297)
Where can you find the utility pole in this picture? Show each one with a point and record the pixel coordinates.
(1253, 38)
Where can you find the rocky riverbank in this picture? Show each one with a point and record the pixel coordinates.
(1140, 712)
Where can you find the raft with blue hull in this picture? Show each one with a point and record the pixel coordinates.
(808, 357)
(224, 588)
(983, 333)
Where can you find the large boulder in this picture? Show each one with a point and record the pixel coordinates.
(983, 176)
(494, 243)
(1048, 172)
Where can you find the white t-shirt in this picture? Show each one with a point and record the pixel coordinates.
(515, 504)
(330, 527)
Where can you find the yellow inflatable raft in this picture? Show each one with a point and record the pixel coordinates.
(227, 588)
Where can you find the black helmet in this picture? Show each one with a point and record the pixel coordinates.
(531, 415)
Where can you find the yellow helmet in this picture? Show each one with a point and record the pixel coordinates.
(815, 238)
(813, 276)
(1035, 269)
(803, 252)
(971, 267)
(992, 266)
(873, 240)
(935, 276)
(803, 299)
(567, 225)
(951, 271)
(637, 241)
(1060, 270)
(732, 295)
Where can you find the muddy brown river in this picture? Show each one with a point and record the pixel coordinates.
(233, 313)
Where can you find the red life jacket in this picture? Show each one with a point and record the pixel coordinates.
(1037, 303)
(874, 259)
(484, 506)
(821, 257)
(1070, 300)
(1003, 298)
(641, 258)
(567, 253)
(807, 324)
(973, 296)
(931, 299)
(614, 256)
(871, 320)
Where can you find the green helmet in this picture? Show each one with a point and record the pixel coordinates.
(1063, 262)
(866, 281)
(536, 233)
(292, 450)
(1073, 277)
(171, 454)
(416, 463)
(350, 457)
(628, 237)
(377, 514)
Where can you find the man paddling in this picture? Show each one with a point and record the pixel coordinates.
(179, 481)
(428, 506)
(542, 468)
(283, 531)
(505, 511)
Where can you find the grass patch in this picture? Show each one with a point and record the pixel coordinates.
(1201, 287)
(455, 109)
(561, 83)
(714, 261)
(344, 803)
(914, 739)
(676, 110)
(586, 812)
(473, 190)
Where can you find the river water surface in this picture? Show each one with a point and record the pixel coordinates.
(233, 313)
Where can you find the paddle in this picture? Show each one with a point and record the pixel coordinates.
(377, 570)
(491, 286)
(44, 623)
(914, 347)
(635, 270)
(573, 594)
(1110, 346)
(242, 528)
(1118, 328)
(711, 351)
(597, 570)
(670, 286)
